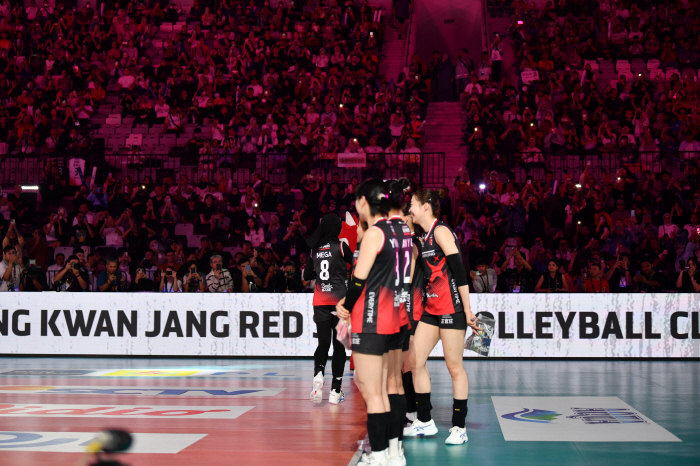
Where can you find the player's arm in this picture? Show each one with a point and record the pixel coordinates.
(372, 242)
(445, 239)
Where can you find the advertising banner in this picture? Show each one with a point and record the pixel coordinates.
(352, 160)
(278, 325)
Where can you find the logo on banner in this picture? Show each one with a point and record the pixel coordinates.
(120, 411)
(150, 373)
(575, 419)
(532, 415)
(200, 392)
(75, 442)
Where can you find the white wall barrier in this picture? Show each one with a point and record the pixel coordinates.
(529, 325)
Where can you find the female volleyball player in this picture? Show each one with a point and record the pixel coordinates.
(446, 317)
(327, 263)
(400, 343)
(415, 304)
(369, 304)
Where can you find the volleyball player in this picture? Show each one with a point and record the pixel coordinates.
(415, 304)
(369, 304)
(327, 263)
(446, 317)
(400, 343)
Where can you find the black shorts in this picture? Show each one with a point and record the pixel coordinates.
(456, 321)
(398, 340)
(370, 343)
(323, 313)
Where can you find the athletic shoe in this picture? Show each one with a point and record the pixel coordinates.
(373, 459)
(364, 445)
(420, 429)
(336, 397)
(458, 436)
(399, 460)
(317, 391)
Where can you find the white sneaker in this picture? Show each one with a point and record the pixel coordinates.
(399, 460)
(458, 436)
(420, 429)
(317, 391)
(336, 397)
(364, 445)
(373, 459)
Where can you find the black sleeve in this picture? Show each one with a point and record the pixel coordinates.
(347, 252)
(309, 271)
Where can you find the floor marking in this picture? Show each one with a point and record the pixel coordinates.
(75, 442)
(122, 411)
(200, 392)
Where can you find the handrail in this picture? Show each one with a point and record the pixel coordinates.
(409, 35)
(484, 26)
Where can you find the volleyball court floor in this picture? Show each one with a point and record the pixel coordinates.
(186, 412)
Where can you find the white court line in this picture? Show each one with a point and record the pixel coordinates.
(355, 458)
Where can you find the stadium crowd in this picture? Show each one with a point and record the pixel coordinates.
(302, 81)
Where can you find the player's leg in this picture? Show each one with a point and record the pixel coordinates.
(397, 401)
(337, 366)
(425, 339)
(324, 334)
(370, 370)
(409, 366)
(453, 348)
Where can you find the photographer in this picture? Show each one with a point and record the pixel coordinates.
(192, 281)
(287, 281)
(10, 270)
(111, 279)
(33, 278)
(169, 282)
(73, 277)
(219, 279)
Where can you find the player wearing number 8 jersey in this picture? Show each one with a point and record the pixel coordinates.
(446, 317)
(328, 265)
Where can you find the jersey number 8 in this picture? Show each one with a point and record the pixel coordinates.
(324, 275)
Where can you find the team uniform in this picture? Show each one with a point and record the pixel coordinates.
(416, 300)
(403, 282)
(375, 315)
(443, 304)
(329, 265)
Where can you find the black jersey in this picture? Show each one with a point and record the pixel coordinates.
(329, 266)
(441, 294)
(417, 298)
(403, 284)
(376, 311)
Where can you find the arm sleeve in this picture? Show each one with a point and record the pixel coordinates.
(355, 288)
(454, 262)
(309, 271)
(347, 252)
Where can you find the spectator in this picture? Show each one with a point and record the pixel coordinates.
(73, 277)
(484, 279)
(595, 283)
(193, 282)
(169, 283)
(552, 281)
(10, 270)
(111, 279)
(219, 280)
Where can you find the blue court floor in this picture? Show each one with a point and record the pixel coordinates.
(666, 394)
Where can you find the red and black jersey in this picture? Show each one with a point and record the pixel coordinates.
(376, 311)
(417, 297)
(327, 264)
(403, 237)
(441, 294)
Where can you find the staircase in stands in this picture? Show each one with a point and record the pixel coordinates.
(443, 132)
(394, 51)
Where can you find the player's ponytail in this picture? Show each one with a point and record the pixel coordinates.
(428, 196)
(376, 194)
(396, 190)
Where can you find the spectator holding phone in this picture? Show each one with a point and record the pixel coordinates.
(192, 281)
(484, 279)
(10, 270)
(169, 282)
(249, 280)
(219, 280)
